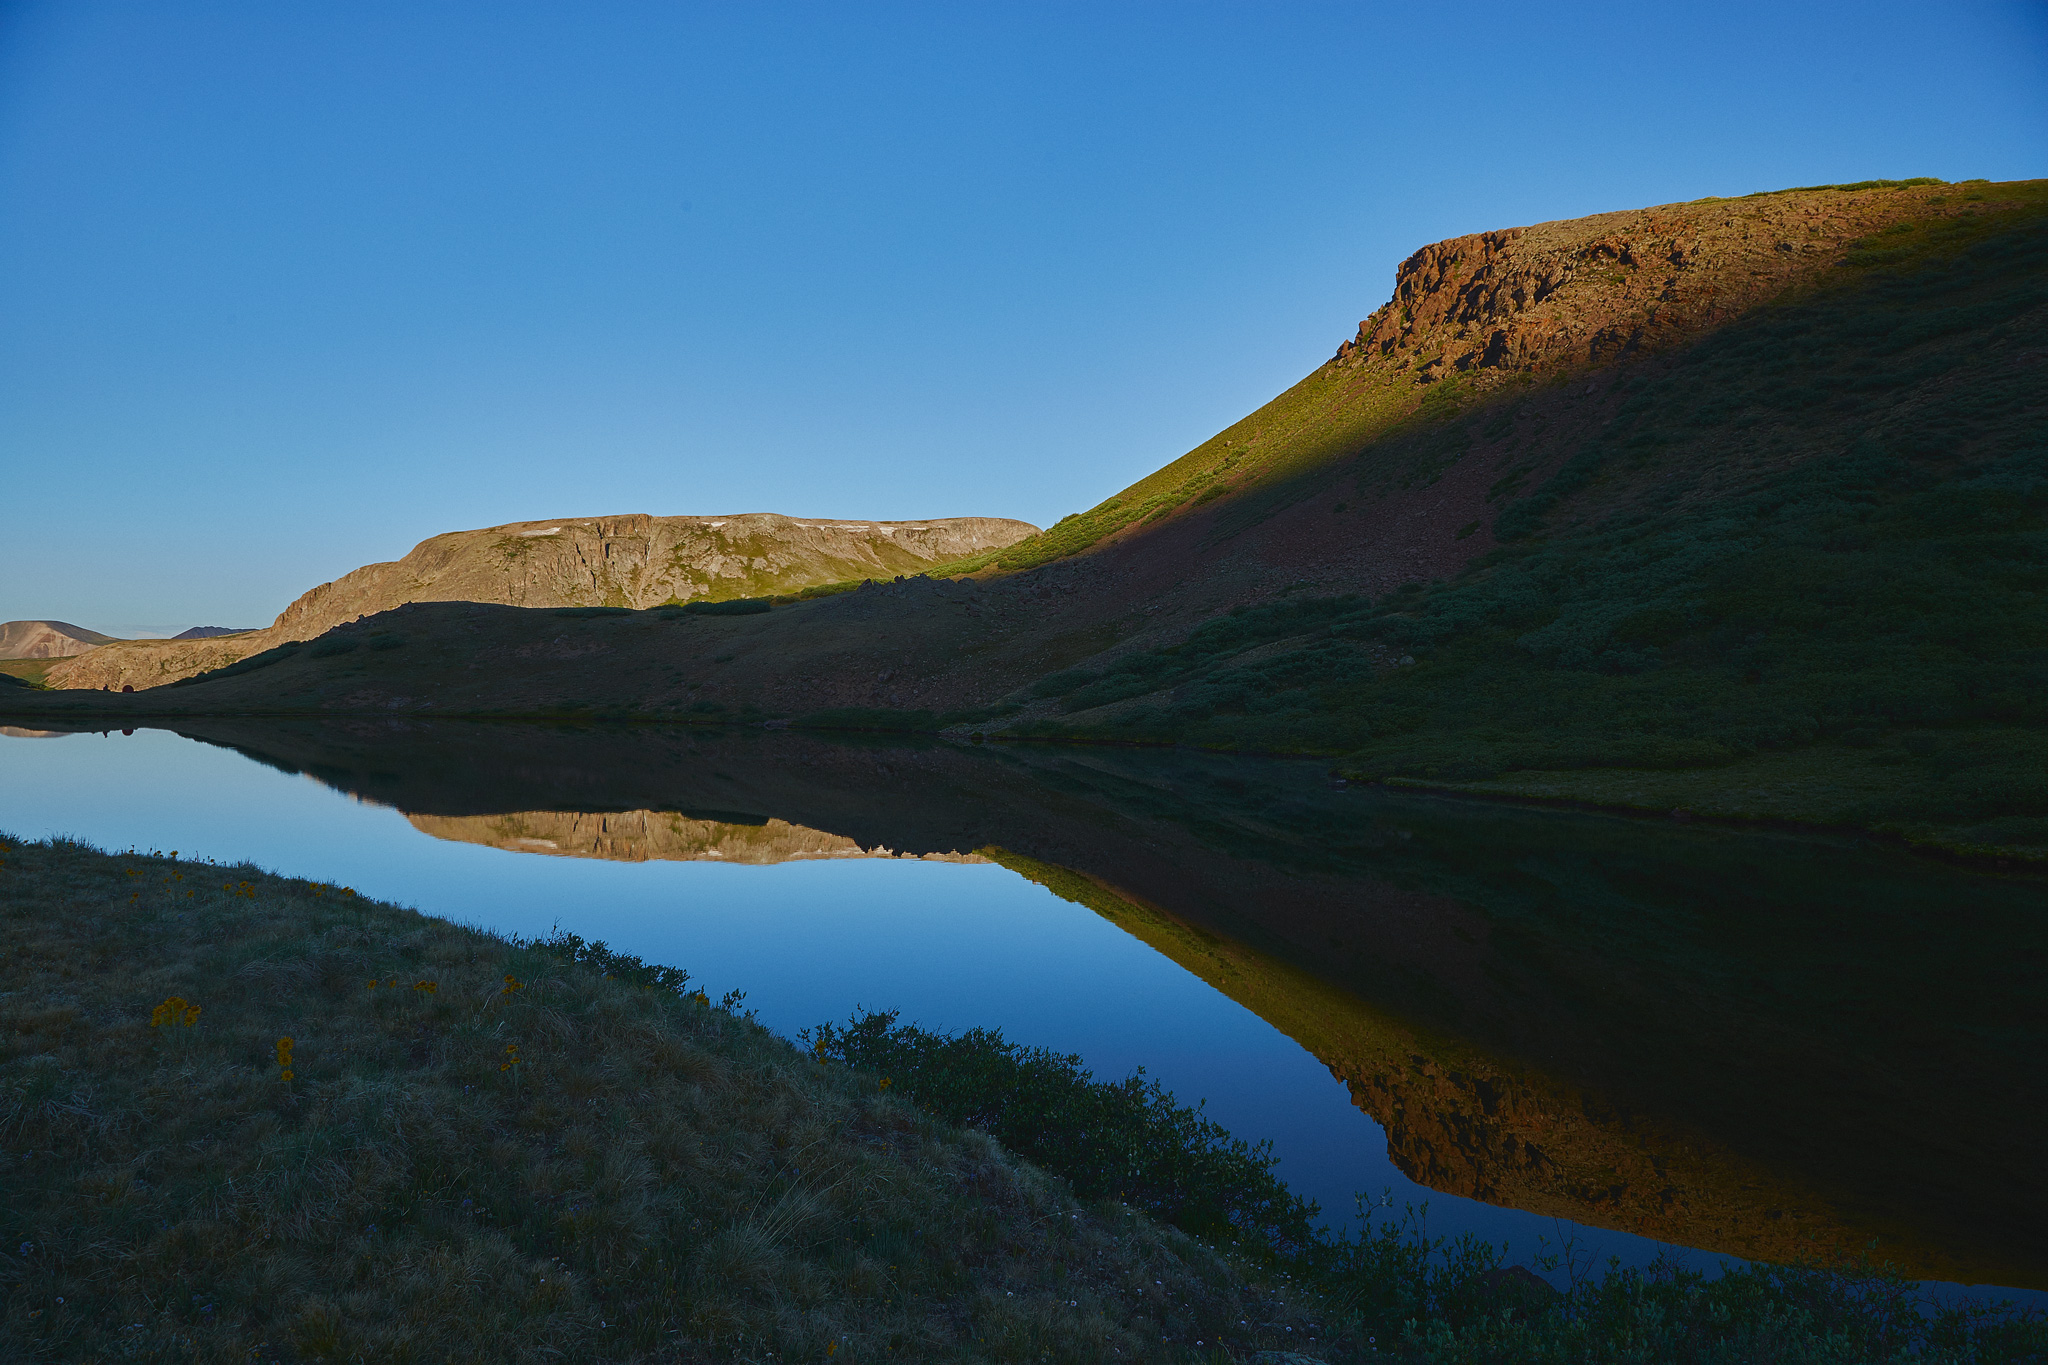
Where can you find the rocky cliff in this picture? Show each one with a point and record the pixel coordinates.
(1582, 292)
(626, 561)
(47, 639)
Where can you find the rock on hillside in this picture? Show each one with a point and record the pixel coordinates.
(47, 639)
(634, 561)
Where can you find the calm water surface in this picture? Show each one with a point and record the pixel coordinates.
(424, 821)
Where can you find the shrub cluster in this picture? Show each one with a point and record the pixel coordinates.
(1128, 1140)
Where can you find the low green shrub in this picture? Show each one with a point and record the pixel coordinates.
(1128, 1139)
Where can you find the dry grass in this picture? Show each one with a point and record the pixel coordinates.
(655, 1178)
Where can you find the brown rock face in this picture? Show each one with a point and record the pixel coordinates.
(633, 561)
(47, 639)
(1593, 290)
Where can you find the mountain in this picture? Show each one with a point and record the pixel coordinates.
(211, 632)
(47, 639)
(1736, 507)
(634, 561)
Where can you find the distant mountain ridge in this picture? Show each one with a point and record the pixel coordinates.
(212, 632)
(47, 639)
(635, 561)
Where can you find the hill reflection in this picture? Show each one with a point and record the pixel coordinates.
(1751, 1042)
(635, 836)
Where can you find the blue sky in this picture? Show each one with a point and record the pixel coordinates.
(285, 288)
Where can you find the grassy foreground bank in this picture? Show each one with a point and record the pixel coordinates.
(219, 1140)
(649, 1176)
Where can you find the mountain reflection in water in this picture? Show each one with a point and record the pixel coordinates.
(1749, 1042)
(635, 836)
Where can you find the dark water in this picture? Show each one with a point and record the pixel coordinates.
(1638, 1037)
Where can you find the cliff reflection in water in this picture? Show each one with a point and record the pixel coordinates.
(636, 836)
(1754, 1043)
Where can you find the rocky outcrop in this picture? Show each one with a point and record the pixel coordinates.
(1592, 290)
(638, 836)
(633, 561)
(47, 639)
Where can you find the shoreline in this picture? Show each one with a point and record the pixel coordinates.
(2019, 859)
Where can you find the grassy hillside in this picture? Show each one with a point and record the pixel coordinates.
(1804, 564)
(246, 1117)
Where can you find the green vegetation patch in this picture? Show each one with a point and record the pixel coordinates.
(1128, 1140)
(30, 671)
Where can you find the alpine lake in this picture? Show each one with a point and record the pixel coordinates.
(1584, 1036)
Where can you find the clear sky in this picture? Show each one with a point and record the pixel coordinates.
(286, 288)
